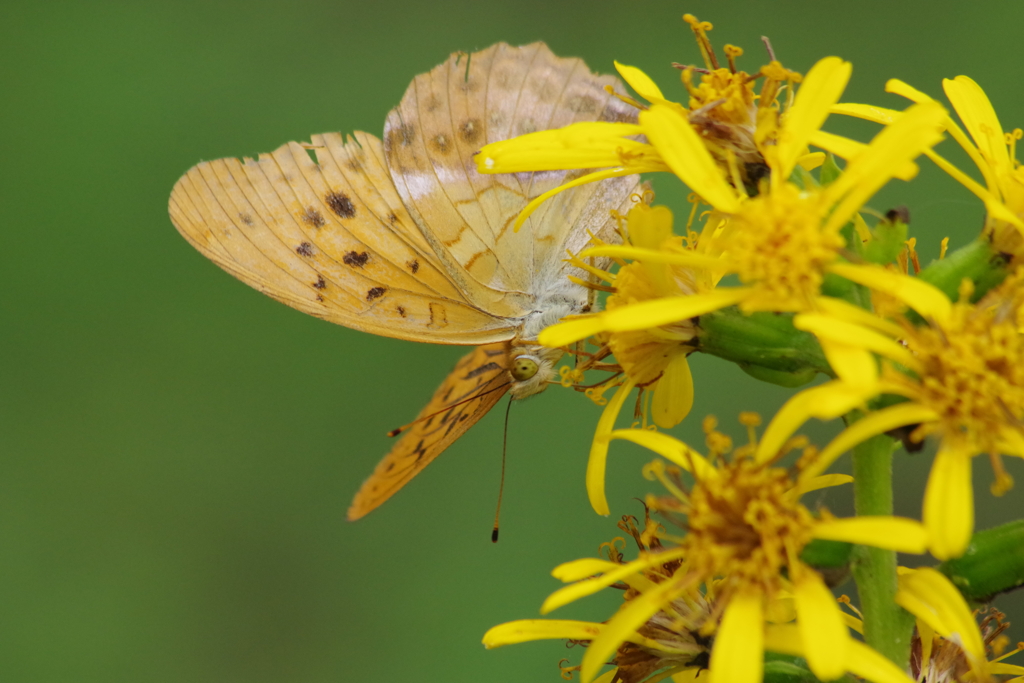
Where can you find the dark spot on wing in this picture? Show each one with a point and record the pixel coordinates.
(582, 104)
(320, 283)
(441, 143)
(313, 217)
(392, 218)
(487, 367)
(414, 265)
(401, 310)
(470, 130)
(304, 249)
(245, 218)
(432, 103)
(320, 298)
(375, 293)
(400, 135)
(340, 204)
(357, 260)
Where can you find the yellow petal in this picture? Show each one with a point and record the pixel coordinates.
(817, 483)
(877, 422)
(824, 635)
(852, 365)
(738, 652)
(933, 599)
(865, 662)
(949, 503)
(569, 331)
(583, 568)
(898, 87)
(924, 298)
(623, 625)
(837, 308)
(826, 327)
(563, 596)
(919, 128)
(784, 638)
(525, 630)
(975, 110)
(821, 89)
(868, 112)
(890, 533)
(673, 394)
(811, 160)
(587, 144)
(682, 149)
(669, 448)
(583, 180)
(640, 82)
(656, 312)
(846, 148)
(825, 402)
(679, 258)
(597, 462)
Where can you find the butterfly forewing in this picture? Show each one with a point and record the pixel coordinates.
(479, 376)
(333, 243)
(448, 114)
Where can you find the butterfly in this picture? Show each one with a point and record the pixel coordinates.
(402, 237)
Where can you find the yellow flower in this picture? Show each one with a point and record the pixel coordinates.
(949, 643)
(727, 135)
(991, 150)
(655, 358)
(720, 586)
(780, 243)
(961, 373)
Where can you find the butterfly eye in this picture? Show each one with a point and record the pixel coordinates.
(523, 368)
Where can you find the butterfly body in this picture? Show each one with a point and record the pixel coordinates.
(402, 237)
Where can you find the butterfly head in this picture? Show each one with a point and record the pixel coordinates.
(531, 367)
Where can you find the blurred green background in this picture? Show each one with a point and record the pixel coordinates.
(178, 452)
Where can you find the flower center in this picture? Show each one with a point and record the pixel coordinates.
(778, 245)
(744, 525)
(973, 375)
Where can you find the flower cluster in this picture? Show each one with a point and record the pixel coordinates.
(782, 267)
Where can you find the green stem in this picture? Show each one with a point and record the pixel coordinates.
(887, 627)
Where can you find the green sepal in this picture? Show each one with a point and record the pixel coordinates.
(764, 340)
(888, 238)
(977, 261)
(992, 564)
(841, 288)
(830, 171)
(785, 672)
(822, 554)
(778, 377)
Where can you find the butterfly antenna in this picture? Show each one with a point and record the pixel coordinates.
(398, 430)
(501, 486)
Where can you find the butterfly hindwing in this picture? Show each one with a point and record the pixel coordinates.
(481, 377)
(331, 239)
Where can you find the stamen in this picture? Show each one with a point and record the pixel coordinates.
(700, 29)
(768, 48)
(731, 53)
(625, 98)
(1003, 481)
(943, 247)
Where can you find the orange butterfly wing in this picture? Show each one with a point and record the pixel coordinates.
(481, 375)
(331, 238)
